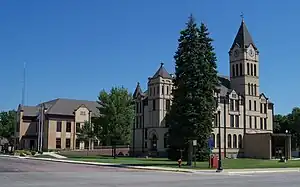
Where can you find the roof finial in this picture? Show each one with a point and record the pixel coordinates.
(161, 64)
(138, 83)
(242, 16)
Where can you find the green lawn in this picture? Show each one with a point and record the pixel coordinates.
(227, 163)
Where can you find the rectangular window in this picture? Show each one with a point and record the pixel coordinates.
(254, 69)
(255, 122)
(231, 104)
(153, 104)
(58, 126)
(237, 69)
(58, 143)
(250, 107)
(68, 143)
(168, 104)
(265, 123)
(82, 113)
(254, 105)
(157, 90)
(233, 70)
(261, 108)
(237, 121)
(248, 69)
(77, 144)
(141, 122)
(162, 90)
(167, 90)
(137, 122)
(77, 127)
(153, 91)
(146, 145)
(137, 108)
(241, 69)
(237, 105)
(231, 120)
(86, 145)
(265, 108)
(146, 134)
(250, 122)
(261, 123)
(68, 126)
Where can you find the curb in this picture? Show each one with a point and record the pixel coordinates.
(265, 171)
(110, 165)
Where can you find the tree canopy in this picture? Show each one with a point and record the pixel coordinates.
(116, 116)
(7, 123)
(193, 103)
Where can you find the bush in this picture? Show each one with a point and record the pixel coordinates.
(33, 153)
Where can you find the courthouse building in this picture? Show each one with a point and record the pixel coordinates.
(246, 113)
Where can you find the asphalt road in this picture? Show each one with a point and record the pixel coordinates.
(16, 172)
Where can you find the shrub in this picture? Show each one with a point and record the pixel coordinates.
(33, 153)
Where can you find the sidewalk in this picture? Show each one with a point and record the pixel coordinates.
(155, 168)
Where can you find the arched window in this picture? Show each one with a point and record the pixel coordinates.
(214, 139)
(162, 90)
(241, 69)
(229, 145)
(255, 90)
(254, 69)
(166, 140)
(249, 88)
(252, 89)
(154, 142)
(218, 140)
(237, 69)
(234, 141)
(233, 70)
(240, 141)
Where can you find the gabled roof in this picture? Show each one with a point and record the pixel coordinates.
(162, 72)
(138, 90)
(243, 38)
(29, 111)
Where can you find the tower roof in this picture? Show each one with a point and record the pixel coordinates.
(138, 90)
(243, 38)
(162, 72)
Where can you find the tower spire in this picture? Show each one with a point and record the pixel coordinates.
(242, 16)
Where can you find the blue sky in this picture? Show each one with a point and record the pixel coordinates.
(73, 49)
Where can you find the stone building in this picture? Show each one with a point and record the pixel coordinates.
(246, 113)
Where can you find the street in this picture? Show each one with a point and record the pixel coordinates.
(18, 172)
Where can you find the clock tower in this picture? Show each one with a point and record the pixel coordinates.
(244, 66)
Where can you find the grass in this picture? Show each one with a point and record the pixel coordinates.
(162, 162)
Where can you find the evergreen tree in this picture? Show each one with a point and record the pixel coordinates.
(193, 105)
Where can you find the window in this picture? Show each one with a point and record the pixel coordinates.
(77, 144)
(249, 88)
(265, 108)
(162, 90)
(153, 104)
(248, 69)
(231, 120)
(261, 123)
(229, 145)
(233, 70)
(234, 141)
(137, 108)
(250, 107)
(240, 141)
(167, 90)
(146, 144)
(237, 105)
(265, 123)
(250, 122)
(86, 145)
(68, 143)
(252, 89)
(146, 133)
(82, 113)
(58, 143)
(254, 69)
(261, 107)
(237, 121)
(137, 122)
(68, 126)
(218, 140)
(58, 126)
(157, 90)
(153, 91)
(254, 105)
(255, 90)
(140, 105)
(255, 122)
(241, 69)
(150, 91)
(141, 122)
(231, 104)
(77, 127)
(237, 69)
(168, 105)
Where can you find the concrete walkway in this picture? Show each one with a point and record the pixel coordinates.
(55, 155)
(154, 168)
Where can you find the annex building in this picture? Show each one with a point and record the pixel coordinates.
(246, 113)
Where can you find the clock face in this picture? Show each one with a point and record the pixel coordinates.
(236, 53)
(251, 52)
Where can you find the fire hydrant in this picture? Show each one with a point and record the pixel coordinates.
(179, 162)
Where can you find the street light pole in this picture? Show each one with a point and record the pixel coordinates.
(220, 168)
(285, 145)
